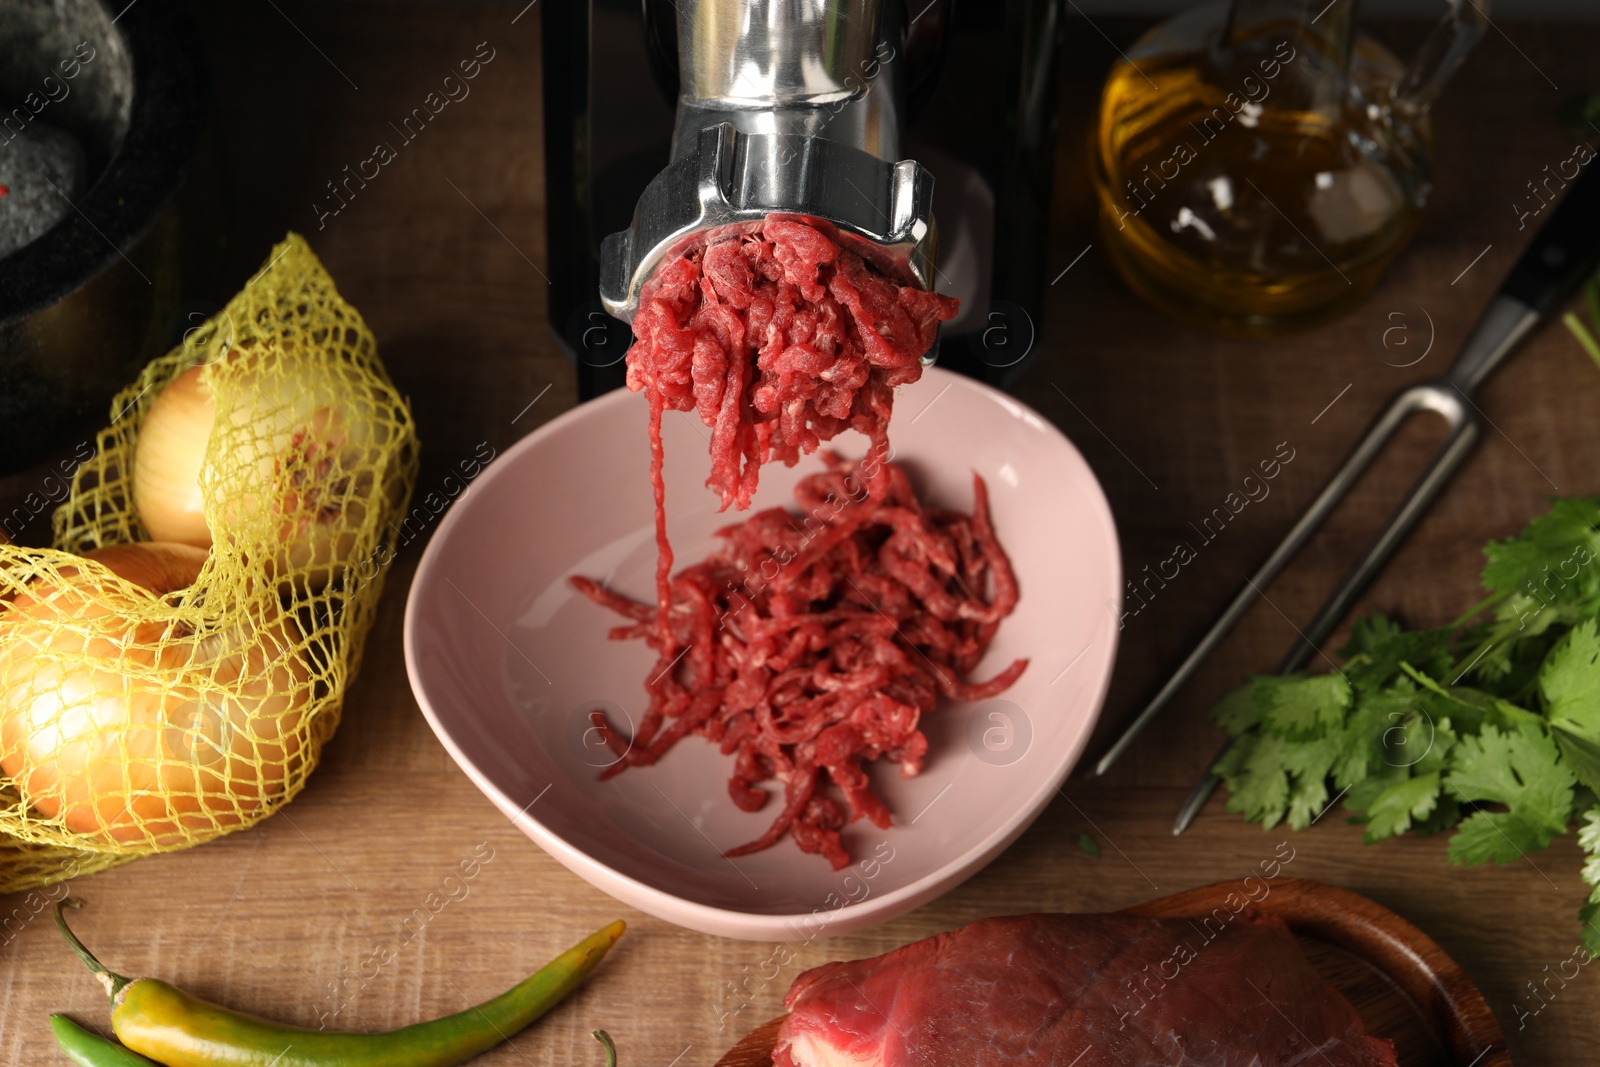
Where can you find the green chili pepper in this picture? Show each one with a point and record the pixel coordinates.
(611, 1049)
(89, 1049)
(179, 1030)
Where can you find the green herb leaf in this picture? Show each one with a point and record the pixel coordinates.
(1570, 683)
(1381, 725)
(1521, 770)
(1258, 787)
(1378, 647)
(1088, 846)
(1580, 748)
(1308, 766)
(1306, 706)
(1545, 574)
(1570, 680)
(1392, 811)
(1589, 841)
(1242, 709)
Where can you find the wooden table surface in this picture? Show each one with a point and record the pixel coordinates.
(442, 254)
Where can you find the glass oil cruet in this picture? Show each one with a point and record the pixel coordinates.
(1257, 164)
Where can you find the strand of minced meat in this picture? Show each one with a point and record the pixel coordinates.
(779, 340)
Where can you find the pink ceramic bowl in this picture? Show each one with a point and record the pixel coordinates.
(506, 662)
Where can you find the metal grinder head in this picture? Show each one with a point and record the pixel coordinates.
(788, 108)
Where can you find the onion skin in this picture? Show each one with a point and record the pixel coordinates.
(97, 732)
(314, 458)
(167, 462)
(152, 565)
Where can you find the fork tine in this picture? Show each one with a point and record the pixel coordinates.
(1463, 436)
(1367, 449)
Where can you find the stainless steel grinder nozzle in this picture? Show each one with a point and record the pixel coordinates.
(790, 108)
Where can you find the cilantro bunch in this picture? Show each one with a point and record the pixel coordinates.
(1489, 726)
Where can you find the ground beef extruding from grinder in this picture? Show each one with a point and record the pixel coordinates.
(810, 644)
(779, 340)
(874, 605)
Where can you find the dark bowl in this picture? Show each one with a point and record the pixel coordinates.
(87, 303)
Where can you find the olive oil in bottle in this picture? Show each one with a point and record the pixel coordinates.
(1256, 167)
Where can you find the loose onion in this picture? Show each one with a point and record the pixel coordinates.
(130, 744)
(312, 452)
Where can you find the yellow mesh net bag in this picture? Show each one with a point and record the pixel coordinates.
(155, 694)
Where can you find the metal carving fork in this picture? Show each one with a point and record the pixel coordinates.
(1564, 251)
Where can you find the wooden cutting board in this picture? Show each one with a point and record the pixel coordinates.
(1402, 984)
